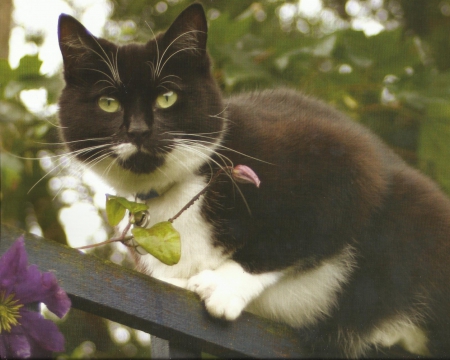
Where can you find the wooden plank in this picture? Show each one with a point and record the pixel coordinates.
(165, 349)
(133, 299)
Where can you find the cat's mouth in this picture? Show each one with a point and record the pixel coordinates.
(142, 163)
(138, 159)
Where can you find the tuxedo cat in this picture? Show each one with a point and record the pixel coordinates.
(342, 240)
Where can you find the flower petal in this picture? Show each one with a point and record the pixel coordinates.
(2, 348)
(245, 175)
(43, 287)
(19, 346)
(14, 344)
(13, 265)
(43, 333)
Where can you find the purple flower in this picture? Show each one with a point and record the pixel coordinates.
(25, 333)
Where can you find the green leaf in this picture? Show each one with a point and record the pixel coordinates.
(162, 241)
(116, 207)
(115, 211)
(134, 207)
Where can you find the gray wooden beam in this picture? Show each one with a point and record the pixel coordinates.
(133, 299)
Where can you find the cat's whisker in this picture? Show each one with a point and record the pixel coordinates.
(63, 163)
(111, 80)
(152, 68)
(167, 89)
(110, 165)
(169, 82)
(179, 161)
(109, 63)
(55, 125)
(159, 68)
(48, 156)
(157, 52)
(220, 146)
(223, 110)
(188, 146)
(111, 85)
(176, 52)
(171, 75)
(208, 158)
(78, 168)
(75, 141)
(199, 135)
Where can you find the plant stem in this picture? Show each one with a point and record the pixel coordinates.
(121, 239)
(196, 197)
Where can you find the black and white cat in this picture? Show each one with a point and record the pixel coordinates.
(342, 240)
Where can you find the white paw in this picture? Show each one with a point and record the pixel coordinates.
(220, 297)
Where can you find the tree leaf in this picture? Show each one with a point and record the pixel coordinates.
(162, 241)
(115, 211)
(132, 206)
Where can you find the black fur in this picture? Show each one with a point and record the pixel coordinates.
(326, 181)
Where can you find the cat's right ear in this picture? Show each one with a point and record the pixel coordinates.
(75, 41)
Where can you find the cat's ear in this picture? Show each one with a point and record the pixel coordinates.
(189, 31)
(75, 41)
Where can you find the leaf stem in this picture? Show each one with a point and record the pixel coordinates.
(109, 241)
(200, 193)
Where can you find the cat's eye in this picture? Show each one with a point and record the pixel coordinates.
(166, 100)
(109, 104)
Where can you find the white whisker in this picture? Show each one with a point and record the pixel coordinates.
(159, 68)
(157, 53)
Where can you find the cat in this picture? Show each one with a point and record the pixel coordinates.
(342, 240)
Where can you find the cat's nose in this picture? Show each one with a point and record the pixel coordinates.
(138, 130)
(138, 133)
(139, 136)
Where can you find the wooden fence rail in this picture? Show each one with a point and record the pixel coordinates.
(165, 311)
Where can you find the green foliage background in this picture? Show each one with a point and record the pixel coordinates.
(397, 83)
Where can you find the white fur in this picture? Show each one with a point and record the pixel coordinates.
(227, 290)
(303, 298)
(296, 298)
(180, 164)
(125, 150)
(401, 330)
(197, 250)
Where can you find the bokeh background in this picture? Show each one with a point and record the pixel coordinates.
(386, 63)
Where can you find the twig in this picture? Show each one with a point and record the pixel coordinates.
(121, 239)
(196, 197)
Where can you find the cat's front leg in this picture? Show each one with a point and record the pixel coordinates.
(227, 290)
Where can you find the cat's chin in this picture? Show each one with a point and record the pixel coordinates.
(141, 163)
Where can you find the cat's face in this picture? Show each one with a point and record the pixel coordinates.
(140, 107)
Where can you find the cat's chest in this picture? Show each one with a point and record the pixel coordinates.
(197, 249)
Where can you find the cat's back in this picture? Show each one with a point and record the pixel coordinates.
(285, 116)
(283, 105)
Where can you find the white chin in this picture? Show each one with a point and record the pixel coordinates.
(125, 150)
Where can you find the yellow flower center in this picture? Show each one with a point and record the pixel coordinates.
(9, 312)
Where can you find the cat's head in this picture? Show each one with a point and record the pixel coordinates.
(141, 115)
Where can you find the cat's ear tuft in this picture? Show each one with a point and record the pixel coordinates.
(188, 31)
(74, 38)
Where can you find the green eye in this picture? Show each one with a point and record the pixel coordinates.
(166, 100)
(109, 104)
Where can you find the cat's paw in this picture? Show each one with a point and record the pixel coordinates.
(220, 297)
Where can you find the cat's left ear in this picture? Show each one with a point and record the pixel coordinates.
(189, 31)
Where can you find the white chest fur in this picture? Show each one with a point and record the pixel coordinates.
(197, 250)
